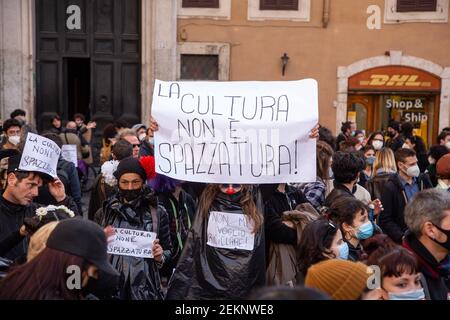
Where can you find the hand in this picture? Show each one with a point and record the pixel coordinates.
(57, 190)
(157, 251)
(109, 232)
(378, 207)
(290, 224)
(314, 133)
(23, 231)
(91, 125)
(153, 125)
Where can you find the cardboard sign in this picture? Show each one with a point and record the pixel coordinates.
(40, 154)
(236, 132)
(230, 231)
(134, 243)
(69, 153)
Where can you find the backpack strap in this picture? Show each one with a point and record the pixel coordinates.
(154, 219)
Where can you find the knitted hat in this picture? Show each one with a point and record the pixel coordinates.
(340, 279)
(443, 167)
(130, 165)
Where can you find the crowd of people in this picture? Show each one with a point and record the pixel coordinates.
(375, 225)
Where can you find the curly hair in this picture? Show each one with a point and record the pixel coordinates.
(32, 224)
(346, 166)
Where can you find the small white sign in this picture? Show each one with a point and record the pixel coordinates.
(69, 153)
(230, 231)
(40, 154)
(134, 243)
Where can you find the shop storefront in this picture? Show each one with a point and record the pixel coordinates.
(405, 94)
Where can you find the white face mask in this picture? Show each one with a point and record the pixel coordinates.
(413, 171)
(15, 140)
(448, 145)
(431, 160)
(142, 136)
(151, 140)
(377, 145)
(361, 139)
(405, 146)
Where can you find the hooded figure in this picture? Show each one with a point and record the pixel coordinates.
(135, 207)
(208, 270)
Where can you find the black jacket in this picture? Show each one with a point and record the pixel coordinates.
(181, 217)
(438, 279)
(139, 277)
(206, 272)
(11, 219)
(338, 191)
(393, 198)
(275, 203)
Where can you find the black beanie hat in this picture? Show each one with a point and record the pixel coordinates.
(130, 165)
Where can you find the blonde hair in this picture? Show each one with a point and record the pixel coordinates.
(385, 160)
(38, 240)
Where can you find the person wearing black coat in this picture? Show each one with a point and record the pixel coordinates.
(136, 207)
(278, 199)
(16, 204)
(398, 191)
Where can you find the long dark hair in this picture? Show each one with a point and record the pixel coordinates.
(315, 241)
(247, 203)
(42, 278)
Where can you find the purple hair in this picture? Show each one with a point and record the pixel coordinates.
(162, 183)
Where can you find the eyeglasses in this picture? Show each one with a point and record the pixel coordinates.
(136, 145)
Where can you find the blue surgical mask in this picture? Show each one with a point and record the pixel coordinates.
(343, 251)
(370, 161)
(365, 231)
(410, 295)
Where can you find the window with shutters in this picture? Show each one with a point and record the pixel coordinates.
(416, 5)
(291, 10)
(203, 61)
(204, 9)
(401, 11)
(278, 4)
(200, 3)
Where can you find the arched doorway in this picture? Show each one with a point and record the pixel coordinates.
(394, 67)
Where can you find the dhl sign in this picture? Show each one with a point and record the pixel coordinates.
(394, 78)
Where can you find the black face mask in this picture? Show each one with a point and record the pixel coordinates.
(130, 195)
(445, 244)
(391, 134)
(103, 287)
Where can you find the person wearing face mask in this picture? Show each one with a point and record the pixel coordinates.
(369, 157)
(400, 274)
(416, 143)
(209, 267)
(12, 129)
(147, 144)
(141, 131)
(376, 140)
(320, 240)
(136, 207)
(443, 173)
(360, 136)
(351, 214)
(46, 277)
(395, 141)
(435, 153)
(399, 190)
(428, 238)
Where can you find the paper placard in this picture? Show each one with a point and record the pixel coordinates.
(69, 153)
(134, 243)
(236, 132)
(230, 231)
(40, 154)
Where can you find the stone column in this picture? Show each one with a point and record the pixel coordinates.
(16, 57)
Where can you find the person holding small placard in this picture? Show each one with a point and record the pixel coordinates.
(133, 210)
(224, 254)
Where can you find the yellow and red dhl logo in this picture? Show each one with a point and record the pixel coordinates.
(394, 81)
